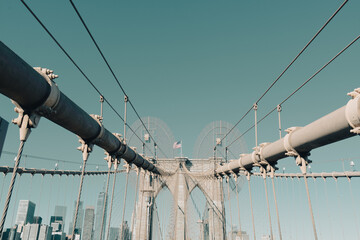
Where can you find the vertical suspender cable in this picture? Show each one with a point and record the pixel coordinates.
(310, 207)
(251, 206)
(268, 208)
(279, 110)
(238, 205)
(112, 198)
(11, 187)
(85, 157)
(141, 203)
(125, 117)
(353, 206)
(105, 199)
(124, 206)
(136, 191)
(18, 182)
(276, 206)
(228, 187)
(256, 135)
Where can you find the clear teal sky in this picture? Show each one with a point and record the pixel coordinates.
(190, 63)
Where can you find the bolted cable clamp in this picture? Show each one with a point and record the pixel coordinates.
(85, 148)
(352, 111)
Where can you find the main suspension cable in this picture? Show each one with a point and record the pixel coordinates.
(112, 72)
(296, 90)
(77, 66)
(288, 66)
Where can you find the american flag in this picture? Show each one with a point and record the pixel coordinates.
(177, 145)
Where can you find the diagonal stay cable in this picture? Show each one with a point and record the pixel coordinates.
(296, 90)
(77, 66)
(288, 66)
(112, 72)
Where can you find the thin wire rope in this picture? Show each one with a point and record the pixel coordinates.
(288, 66)
(328, 207)
(134, 210)
(111, 204)
(41, 190)
(231, 225)
(50, 194)
(105, 203)
(31, 185)
(11, 187)
(278, 107)
(340, 208)
(256, 130)
(252, 210)
(268, 208)
(16, 199)
(112, 72)
(77, 66)
(276, 206)
(310, 208)
(296, 90)
(141, 204)
(157, 215)
(238, 206)
(79, 196)
(124, 206)
(50, 159)
(354, 212)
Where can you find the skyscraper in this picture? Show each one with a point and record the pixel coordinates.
(60, 211)
(79, 221)
(99, 215)
(25, 213)
(45, 232)
(88, 229)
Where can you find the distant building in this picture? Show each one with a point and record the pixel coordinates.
(61, 211)
(25, 213)
(45, 232)
(99, 215)
(79, 221)
(114, 233)
(58, 236)
(125, 232)
(37, 219)
(3, 129)
(88, 229)
(31, 232)
(14, 234)
(56, 222)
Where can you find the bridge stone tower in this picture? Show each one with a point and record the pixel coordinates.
(184, 176)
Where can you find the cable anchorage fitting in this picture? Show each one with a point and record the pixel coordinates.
(25, 121)
(52, 100)
(351, 111)
(85, 148)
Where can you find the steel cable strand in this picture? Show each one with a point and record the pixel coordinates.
(11, 187)
(134, 210)
(78, 67)
(79, 197)
(105, 203)
(276, 206)
(124, 205)
(113, 74)
(111, 205)
(300, 87)
(288, 66)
